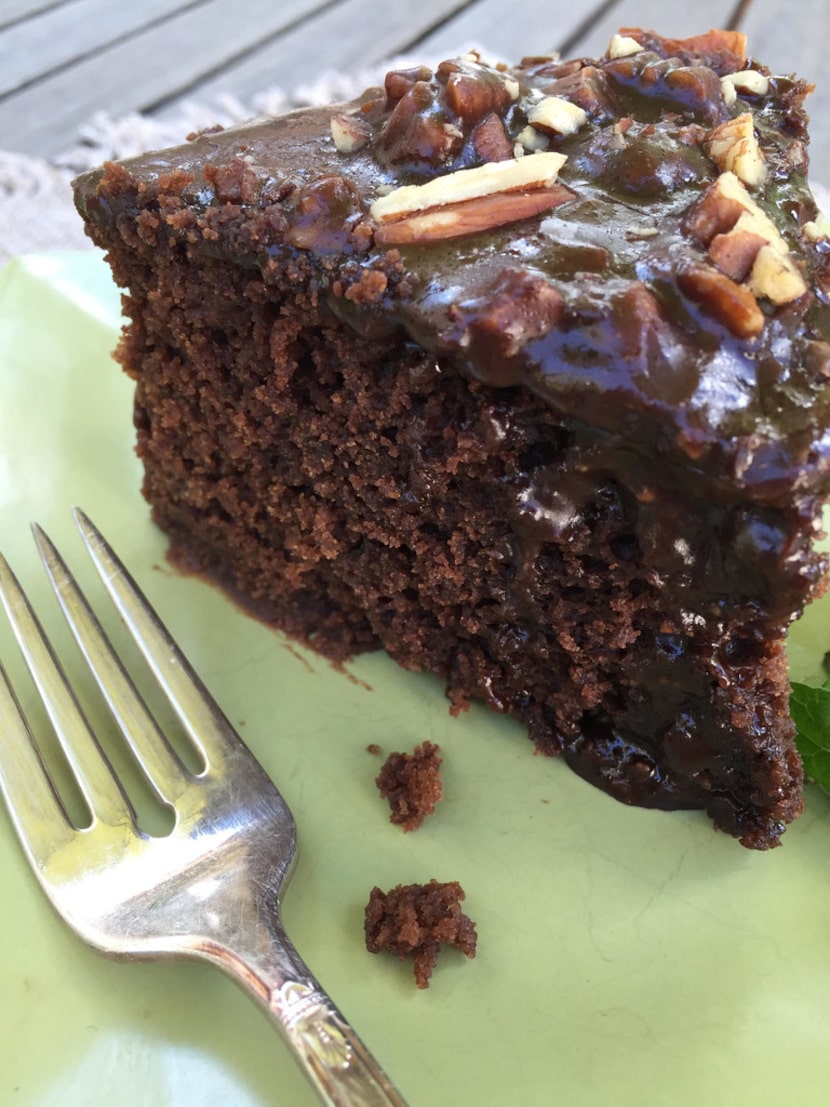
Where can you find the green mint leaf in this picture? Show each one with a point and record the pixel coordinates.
(810, 710)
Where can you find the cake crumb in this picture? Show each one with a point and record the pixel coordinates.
(411, 782)
(373, 747)
(413, 920)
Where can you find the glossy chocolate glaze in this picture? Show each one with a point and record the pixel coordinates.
(719, 444)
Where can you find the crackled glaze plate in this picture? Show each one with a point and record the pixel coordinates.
(626, 957)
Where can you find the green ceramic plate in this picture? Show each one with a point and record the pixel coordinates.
(625, 957)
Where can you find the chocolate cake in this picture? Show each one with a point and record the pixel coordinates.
(415, 920)
(521, 374)
(411, 782)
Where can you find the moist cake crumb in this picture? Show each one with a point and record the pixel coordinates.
(414, 920)
(373, 747)
(411, 782)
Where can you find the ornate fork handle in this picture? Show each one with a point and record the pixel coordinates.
(339, 1064)
(335, 1059)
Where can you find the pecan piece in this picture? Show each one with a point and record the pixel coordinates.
(556, 114)
(538, 171)
(734, 253)
(728, 302)
(747, 82)
(775, 276)
(623, 46)
(416, 131)
(722, 206)
(481, 213)
(349, 132)
(490, 140)
(733, 147)
(718, 209)
(474, 90)
(399, 81)
(501, 320)
(744, 242)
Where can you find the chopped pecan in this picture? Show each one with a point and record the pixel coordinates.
(730, 96)
(416, 131)
(490, 140)
(719, 209)
(521, 307)
(545, 65)
(481, 213)
(349, 132)
(475, 90)
(555, 113)
(623, 46)
(731, 304)
(733, 147)
(735, 252)
(739, 233)
(537, 171)
(531, 139)
(775, 276)
(746, 82)
(399, 81)
(587, 87)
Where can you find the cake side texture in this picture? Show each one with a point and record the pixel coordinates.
(521, 374)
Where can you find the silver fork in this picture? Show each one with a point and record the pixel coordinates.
(209, 890)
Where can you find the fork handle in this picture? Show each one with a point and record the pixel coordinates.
(337, 1062)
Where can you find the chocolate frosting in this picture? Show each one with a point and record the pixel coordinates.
(627, 350)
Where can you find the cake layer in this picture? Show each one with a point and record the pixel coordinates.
(521, 374)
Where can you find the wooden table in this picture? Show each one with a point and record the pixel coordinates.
(63, 60)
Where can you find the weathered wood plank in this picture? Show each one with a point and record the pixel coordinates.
(793, 36)
(36, 47)
(150, 66)
(537, 27)
(348, 38)
(13, 10)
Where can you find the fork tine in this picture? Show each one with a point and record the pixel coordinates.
(33, 804)
(99, 786)
(206, 725)
(158, 760)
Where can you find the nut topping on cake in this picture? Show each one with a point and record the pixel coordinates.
(530, 139)
(349, 132)
(481, 213)
(730, 303)
(775, 276)
(744, 81)
(744, 243)
(733, 147)
(623, 46)
(537, 172)
(555, 113)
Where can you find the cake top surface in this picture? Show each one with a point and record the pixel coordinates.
(633, 238)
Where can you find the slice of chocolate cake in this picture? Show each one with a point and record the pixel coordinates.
(519, 373)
